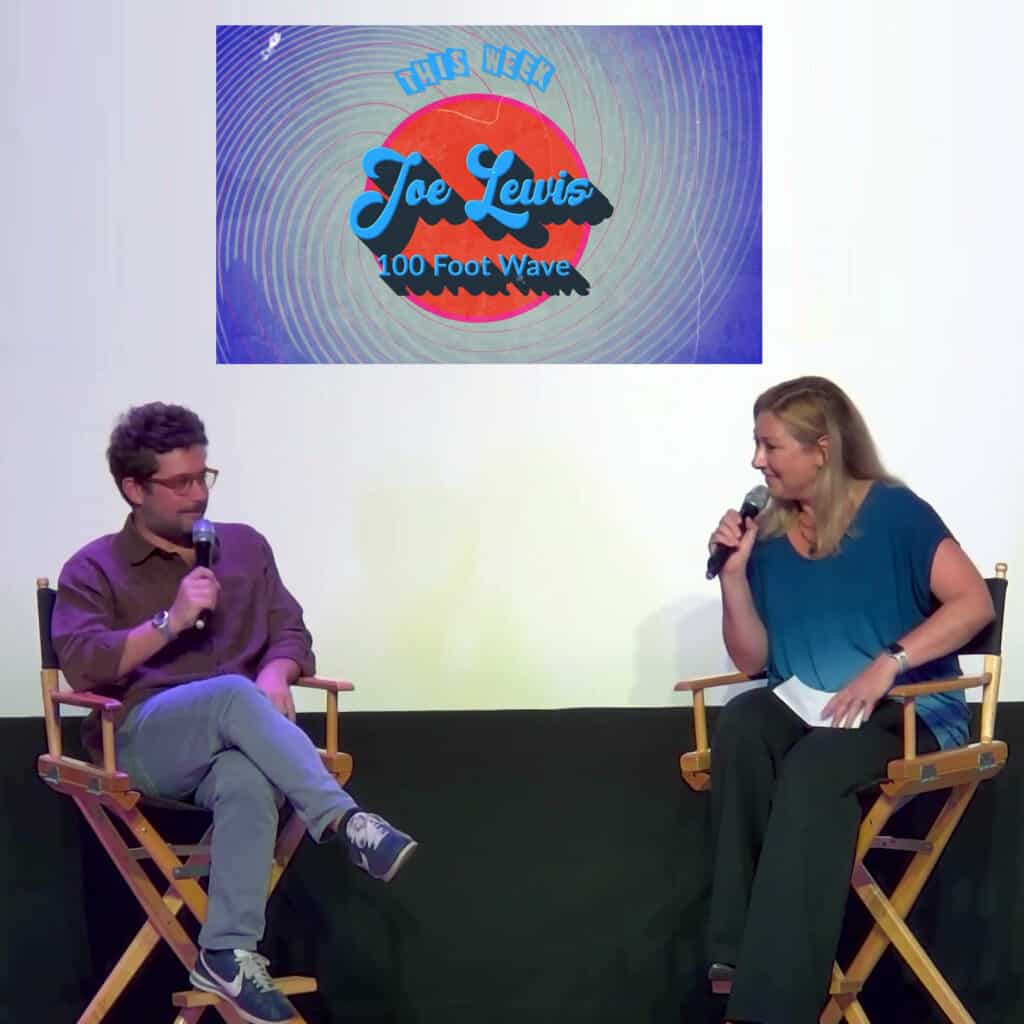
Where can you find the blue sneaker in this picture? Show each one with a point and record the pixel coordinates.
(378, 848)
(241, 978)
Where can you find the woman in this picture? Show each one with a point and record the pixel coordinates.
(846, 580)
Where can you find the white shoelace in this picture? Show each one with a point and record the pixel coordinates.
(254, 967)
(369, 836)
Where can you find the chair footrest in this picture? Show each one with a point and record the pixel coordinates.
(290, 985)
(846, 987)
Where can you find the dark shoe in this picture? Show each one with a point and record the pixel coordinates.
(721, 977)
(241, 978)
(378, 848)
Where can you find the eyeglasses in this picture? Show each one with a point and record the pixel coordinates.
(182, 483)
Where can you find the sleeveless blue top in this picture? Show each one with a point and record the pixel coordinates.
(828, 618)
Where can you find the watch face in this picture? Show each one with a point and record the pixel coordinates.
(896, 651)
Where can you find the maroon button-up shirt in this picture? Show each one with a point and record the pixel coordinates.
(120, 580)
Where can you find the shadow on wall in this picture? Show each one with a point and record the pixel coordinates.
(682, 640)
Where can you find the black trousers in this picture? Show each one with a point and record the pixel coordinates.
(784, 819)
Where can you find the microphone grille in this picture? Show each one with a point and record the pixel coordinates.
(756, 496)
(203, 531)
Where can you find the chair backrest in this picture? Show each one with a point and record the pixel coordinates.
(990, 639)
(989, 643)
(49, 664)
(46, 597)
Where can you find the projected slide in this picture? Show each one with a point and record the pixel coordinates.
(451, 194)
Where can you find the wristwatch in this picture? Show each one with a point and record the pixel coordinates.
(902, 658)
(161, 622)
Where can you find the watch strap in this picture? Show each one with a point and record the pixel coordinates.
(898, 652)
(161, 622)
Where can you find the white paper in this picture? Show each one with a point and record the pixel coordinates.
(808, 703)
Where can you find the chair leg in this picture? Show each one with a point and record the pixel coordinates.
(839, 1009)
(161, 911)
(134, 956)
(896, 931)
(855, 1013)
(160, 915)
(842, 1005)
(163, 857)
(189, 1015)
(124, 970)
(192, 1014)
(896, 907)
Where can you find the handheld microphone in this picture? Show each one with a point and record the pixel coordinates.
(755, 500)
(203, 538)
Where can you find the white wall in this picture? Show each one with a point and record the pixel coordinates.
(486, 537)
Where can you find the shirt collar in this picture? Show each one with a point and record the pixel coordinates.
(133, 546)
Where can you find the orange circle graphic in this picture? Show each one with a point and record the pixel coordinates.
(443, 133)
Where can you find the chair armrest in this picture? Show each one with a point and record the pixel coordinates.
(106, 706)
(330, 685)
(332, 688)
(939, 686)
(696, 765)
(86, 699)
(705, 683)
(912, 690)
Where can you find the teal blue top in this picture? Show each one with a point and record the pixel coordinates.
(828, 618)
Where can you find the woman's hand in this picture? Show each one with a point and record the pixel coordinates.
(862, 693)
(732, 532)
(742, 629)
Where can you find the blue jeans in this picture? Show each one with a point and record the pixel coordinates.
(222, 740)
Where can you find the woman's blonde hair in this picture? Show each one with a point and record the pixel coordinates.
(812, 408)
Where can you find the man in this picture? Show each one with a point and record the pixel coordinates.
(207, 711)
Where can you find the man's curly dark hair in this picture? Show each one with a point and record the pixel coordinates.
(144, 432)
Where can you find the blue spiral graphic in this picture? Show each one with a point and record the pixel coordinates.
(667, 120)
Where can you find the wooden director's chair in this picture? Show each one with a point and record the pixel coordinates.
(959, 771)
(104, 794)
